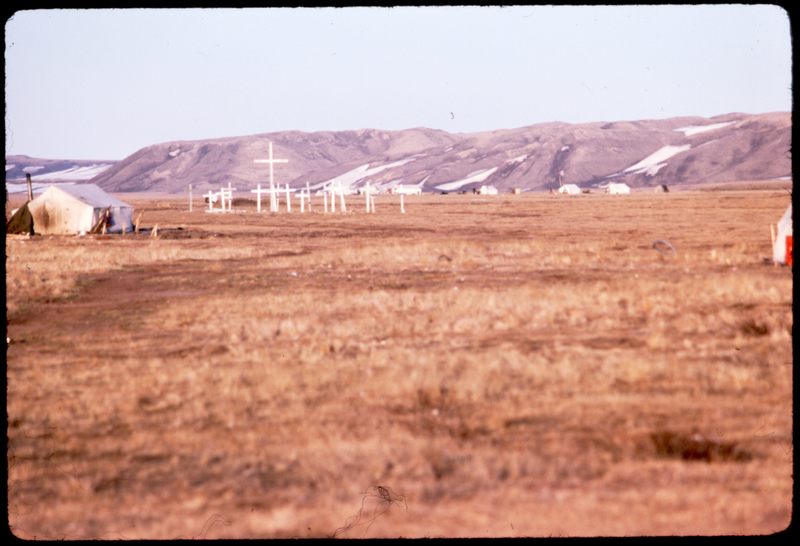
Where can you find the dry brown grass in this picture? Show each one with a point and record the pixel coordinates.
(540, 370)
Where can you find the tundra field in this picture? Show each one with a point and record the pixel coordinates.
(514, 365)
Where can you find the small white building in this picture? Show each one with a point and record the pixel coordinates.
(569, 189)
(487, 190)
(406, 190)
(76, 208)
(615, 188)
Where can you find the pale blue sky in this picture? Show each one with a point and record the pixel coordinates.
(101, 84)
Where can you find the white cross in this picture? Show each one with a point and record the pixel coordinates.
(288, 199)
(370, 201)
(303, 195)
(212, 198)
(229, 194)
(273, 201)
(275, 198)
(308, 192)
(258, 191)
(333, 197)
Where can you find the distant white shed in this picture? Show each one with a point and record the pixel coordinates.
(406, 190)
(76, 208)
(615, 188)
(569, 189)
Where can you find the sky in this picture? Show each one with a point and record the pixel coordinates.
(104, 83)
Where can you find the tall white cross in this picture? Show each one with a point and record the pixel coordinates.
(308, 192)
(274, 198)
(273, 205)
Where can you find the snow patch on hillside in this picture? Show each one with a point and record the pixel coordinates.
(653, 163)
(475, 176)
(380, 188)
(73, 173)
(518, 159)
(77, 173)
(694, 129)
(37, 187)
(347, 180)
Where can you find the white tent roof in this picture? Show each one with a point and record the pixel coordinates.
(571, 189)
(784, 231)
(90, 194)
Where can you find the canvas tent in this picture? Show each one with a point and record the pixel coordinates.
(21, 221)
(782, 247)
(78, 208)
(620, 188)
(570, 189)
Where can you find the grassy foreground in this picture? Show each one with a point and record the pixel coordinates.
(479, 366)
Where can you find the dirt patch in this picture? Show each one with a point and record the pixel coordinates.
(694, 447)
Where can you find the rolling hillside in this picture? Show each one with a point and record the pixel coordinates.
(674, 151)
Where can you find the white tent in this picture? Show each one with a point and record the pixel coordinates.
(784, 236)
(407, 190)
(77, 208)
(570, 189)
(615, 188)
(487, 190)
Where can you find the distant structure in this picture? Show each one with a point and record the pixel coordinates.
(487, 190)
(569, 189)
(406, 190)
(79, 209)
(615, 188)
(782, 244)
(662, 188)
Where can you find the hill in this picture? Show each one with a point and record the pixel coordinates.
(676, 151)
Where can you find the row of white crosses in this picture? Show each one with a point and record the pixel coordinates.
(274, 193)
(332, 189)
(224, 195)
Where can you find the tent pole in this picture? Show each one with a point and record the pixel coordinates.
(30, 186)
